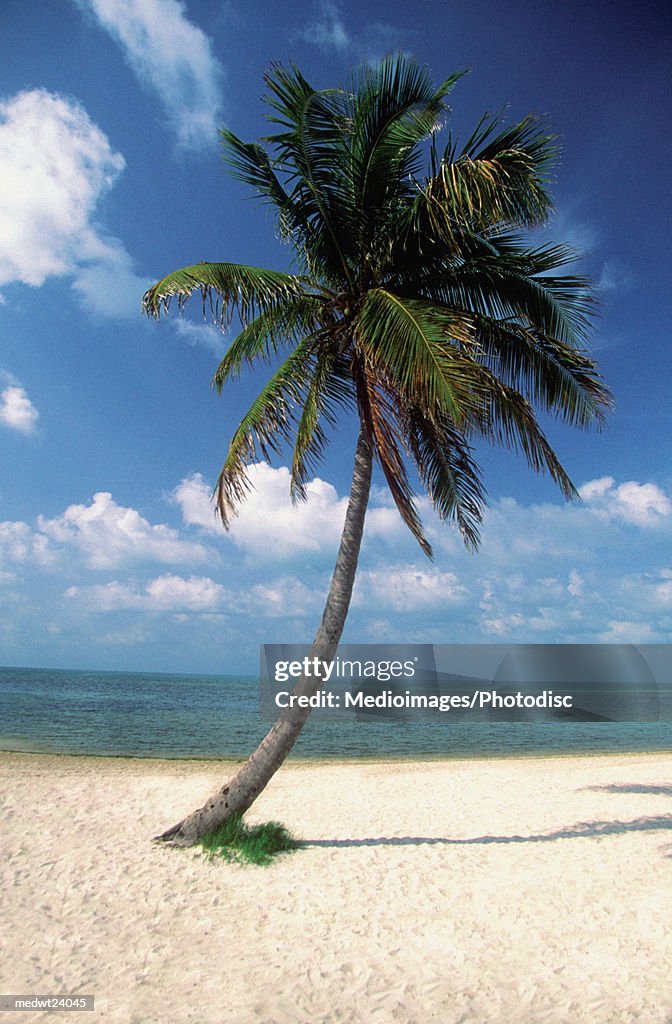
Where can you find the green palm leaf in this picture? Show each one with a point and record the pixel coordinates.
(379, 419)
(266, 425)
(416, 343)
(448, 471)
(329, 392)
(497, 178)
(226, 287)
(508, 419)
(395, 107)
(280, 325)
(558, 377)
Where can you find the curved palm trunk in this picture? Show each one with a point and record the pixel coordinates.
(243, 789)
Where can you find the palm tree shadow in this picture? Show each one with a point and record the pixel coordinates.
(633, 787)
(582, 830)
(648, 788)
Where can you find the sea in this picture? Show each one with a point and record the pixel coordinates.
(126, 714)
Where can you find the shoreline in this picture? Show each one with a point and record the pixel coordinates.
(367, 759)
(488, 891)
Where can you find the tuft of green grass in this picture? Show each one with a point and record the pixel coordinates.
(259, 844)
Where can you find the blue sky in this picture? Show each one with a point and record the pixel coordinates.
(110, 437)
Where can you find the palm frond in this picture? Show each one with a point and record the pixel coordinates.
(448, 471)
(508, 419)
(310, 152)
(330, 390)
(380, 423)
(553, 375)
(518, 284)
(266, 425)
(250, 163)
(414, 342)
(497, 178)
(280, 325)
(394, 108)
(502, 279)
(225, 288)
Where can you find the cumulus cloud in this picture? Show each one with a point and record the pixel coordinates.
(628, 631)
(194, 499)
(268, 523)
(19, 543)
(287, 598)
(165, 593)
(642, 504)
(587, 572)
(17, 411)
(108, 535)
(172, 57)
(55, 165)
(408, 588)
(548, 571)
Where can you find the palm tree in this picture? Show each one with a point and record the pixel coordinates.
(417, 304)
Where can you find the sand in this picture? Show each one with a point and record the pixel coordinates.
(466, 892)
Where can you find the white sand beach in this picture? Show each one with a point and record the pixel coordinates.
(466, 892)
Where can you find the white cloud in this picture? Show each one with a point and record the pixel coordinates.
(165, 593)
(198, 593)
(551, 571)
(287, 598)
(18, 543)
(104, 280)
(172, 57)
(268, 525)
(614, 276)
(555, 573)
(642, 504)
(194, 498)
(17, 411)
(408, 588)
(372, 41)
(575, 585)
(628, 631)
(204, 335)
(327, 31)
(108, 535)
(595, 490)
(55, 164)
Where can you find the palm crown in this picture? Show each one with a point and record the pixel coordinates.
(416, 300)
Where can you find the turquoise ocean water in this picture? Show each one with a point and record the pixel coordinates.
(177, 716)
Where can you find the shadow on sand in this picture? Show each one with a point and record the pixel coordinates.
(633, 787)
(582, 830)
